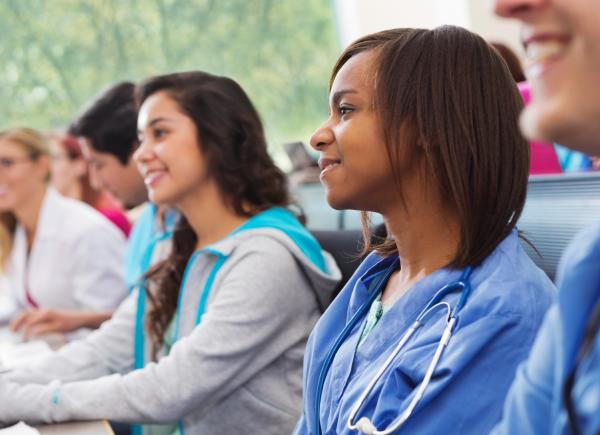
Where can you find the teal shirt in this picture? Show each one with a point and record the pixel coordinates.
(144, 233)
(375, 313)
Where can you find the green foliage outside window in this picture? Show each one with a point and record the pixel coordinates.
(56, 54)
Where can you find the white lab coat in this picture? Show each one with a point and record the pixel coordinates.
(76, 261)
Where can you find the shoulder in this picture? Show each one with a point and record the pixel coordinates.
(143, 228)
(259, 246)
(578, 277)
(371, 260)
(144, 215)
(261, 255)
(511, 284)
(82, 223)
(265, 270)
(144, 221)
(582, 255)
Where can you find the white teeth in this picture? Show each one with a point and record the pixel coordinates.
(332, 165)
(151, 176)
(539, 51)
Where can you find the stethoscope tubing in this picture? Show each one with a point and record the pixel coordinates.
(364, 424)
(340, 340)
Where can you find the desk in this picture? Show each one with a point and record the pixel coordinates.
(82, 428)
(85, 428)
(54, 340)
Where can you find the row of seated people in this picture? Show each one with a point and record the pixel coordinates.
(228, 324)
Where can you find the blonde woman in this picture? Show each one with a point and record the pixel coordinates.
(61, 259)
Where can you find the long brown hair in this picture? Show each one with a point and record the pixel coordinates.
(455, 97)
(36, 146)
(512, 61)
(231, 137)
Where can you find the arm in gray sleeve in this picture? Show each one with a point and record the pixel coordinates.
(260, 309)
(105, 351)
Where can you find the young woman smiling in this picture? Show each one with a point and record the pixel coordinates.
(423, 130)
(218, 332)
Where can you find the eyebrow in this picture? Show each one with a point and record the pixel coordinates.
(153, 122)
(337, 96)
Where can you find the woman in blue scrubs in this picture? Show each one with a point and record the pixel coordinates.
(423, 130)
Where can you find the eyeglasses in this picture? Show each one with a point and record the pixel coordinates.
(6, 163)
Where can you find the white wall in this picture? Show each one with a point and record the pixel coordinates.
(359, 17)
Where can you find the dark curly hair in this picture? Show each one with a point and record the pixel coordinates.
(231, 137)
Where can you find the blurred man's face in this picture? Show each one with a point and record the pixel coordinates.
(562, 41)
(124, 182)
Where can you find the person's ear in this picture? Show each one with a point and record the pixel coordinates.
(42, 166)
(81, 167)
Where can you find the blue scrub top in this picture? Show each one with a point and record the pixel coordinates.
(145, 233)
(534, 404)
(495, 331)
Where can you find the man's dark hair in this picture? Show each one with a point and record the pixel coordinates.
(109, 122)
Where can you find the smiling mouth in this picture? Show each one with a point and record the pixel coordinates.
(542, 50)
(152, 177)
(325, 163)
(330, 166)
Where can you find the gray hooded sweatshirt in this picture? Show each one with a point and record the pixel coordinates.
(238, 372)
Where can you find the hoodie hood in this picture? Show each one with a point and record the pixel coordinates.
(282, 225)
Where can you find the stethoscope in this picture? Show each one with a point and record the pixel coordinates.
(364, 424)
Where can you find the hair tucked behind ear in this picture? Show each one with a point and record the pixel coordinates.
(231, 138)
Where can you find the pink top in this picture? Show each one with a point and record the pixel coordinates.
(112, 210)
(543, 157)
(117, 217)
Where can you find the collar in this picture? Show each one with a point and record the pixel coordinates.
(51, 214)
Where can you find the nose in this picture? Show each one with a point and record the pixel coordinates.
(517, 8)
(143, 154)
(322, 137)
